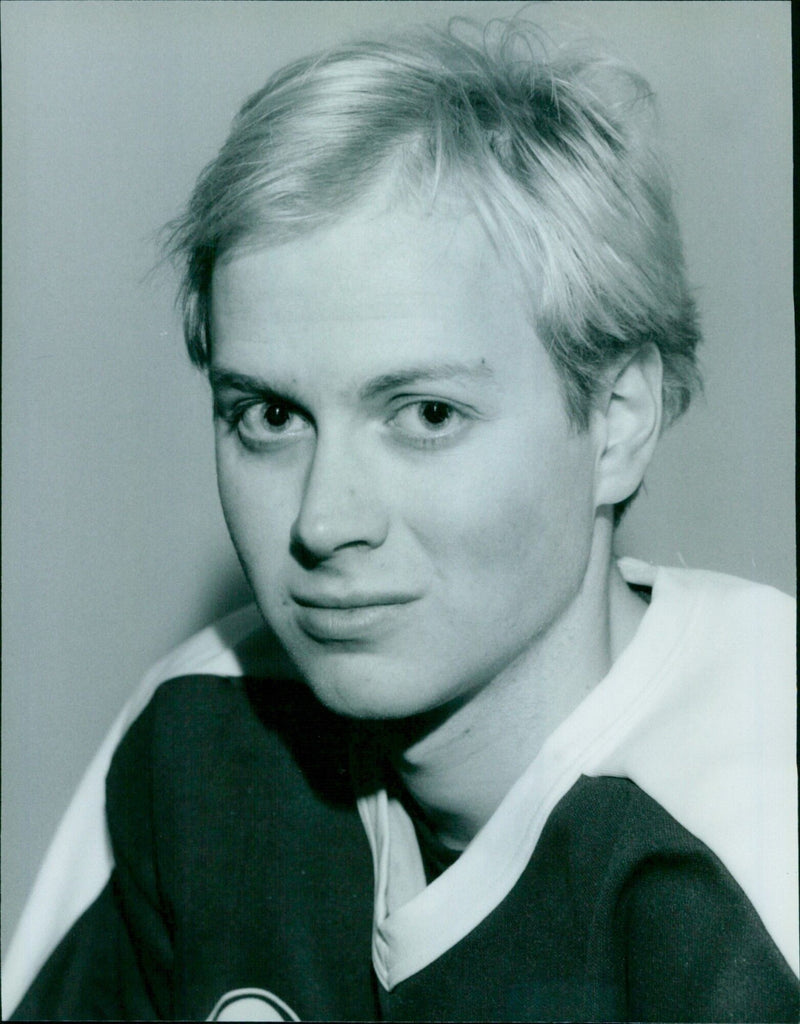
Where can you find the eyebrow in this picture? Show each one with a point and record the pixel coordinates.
(220, 378)
(477, 372)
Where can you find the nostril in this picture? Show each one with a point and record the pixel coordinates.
(303, 555)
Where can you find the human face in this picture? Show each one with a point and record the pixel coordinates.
(397, 470)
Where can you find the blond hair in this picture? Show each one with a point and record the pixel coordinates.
(555, 154)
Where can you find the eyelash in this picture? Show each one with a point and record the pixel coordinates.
(434, 438)
(235, 416)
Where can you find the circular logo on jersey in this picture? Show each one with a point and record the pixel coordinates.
(252, 1004)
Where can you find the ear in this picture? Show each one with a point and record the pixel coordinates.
(629, 422)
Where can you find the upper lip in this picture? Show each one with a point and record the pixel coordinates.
(353, 599)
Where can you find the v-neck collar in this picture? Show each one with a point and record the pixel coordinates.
(415, 923)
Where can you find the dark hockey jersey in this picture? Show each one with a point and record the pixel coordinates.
(243, 879)
(643, 867)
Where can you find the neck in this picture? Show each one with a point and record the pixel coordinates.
(459, 762)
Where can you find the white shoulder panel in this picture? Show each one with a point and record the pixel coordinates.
(714, 742)
(78, 861)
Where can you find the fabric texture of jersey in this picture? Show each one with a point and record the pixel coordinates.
(78, 861)
(699, 711)
(241, 865)
(678, 768)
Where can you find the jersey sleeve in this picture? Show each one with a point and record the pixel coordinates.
(697, 950)
(115, 962)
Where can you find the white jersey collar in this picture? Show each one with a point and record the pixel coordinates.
(636, 723)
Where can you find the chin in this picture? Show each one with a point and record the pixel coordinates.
(369, 695)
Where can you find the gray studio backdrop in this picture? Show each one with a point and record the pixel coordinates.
(114, 548)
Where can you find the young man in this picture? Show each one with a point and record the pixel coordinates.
(438, 290)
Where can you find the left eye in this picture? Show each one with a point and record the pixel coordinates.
(428, 420)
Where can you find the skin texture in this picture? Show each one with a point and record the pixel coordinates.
(423, 529)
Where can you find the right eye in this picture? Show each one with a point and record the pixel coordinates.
(263, 423)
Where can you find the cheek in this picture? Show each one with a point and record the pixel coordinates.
(232, 498)
(257, 507)
(516, 516)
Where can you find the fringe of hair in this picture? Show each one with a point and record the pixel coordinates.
(556, 155)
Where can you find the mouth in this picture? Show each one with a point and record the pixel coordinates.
(355, 617)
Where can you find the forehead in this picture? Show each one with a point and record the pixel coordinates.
(379, 290)
(376, 262)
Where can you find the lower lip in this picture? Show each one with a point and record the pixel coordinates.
(333, 625)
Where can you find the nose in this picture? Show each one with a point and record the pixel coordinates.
(340, 505)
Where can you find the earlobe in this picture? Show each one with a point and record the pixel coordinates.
(630, 420)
